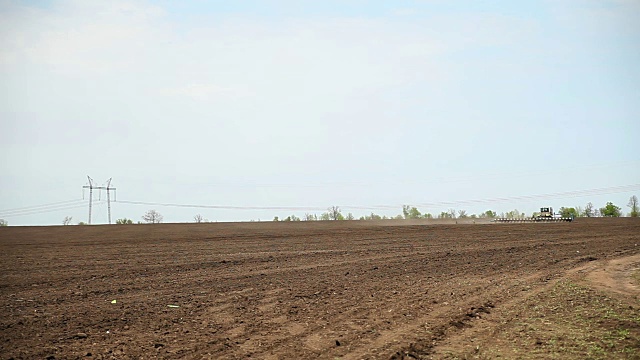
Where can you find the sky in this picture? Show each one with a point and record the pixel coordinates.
(266, 108)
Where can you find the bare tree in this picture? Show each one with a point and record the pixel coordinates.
(152, 217)
(310, 217)
(514, 214)
(633, 204)
(462, 214)
(588, 210)
(452, 213)
(198, 218)
(67, 220)
(335, 214)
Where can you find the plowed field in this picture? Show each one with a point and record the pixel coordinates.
(348, 289)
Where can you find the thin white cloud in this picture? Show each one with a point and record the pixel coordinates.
(205, 92)
(404, 12)
(78, 35)
(133, 36)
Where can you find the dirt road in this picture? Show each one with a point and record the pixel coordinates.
(349, 289)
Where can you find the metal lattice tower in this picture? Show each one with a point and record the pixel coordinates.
(108, 188)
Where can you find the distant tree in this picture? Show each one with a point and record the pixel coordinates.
(596, 213)
(452, 213)
(325, 216)
(427, 216)
(275, 218)
(405, 211)
(514, 214)
(335, 214)
(462, 214)
(633, 204)
(445, 215)
(310, 217)
(288, 218)
(473, 216)
(198, 218)
(610, 210)
(294, 218)
(67, 220)
(371, 217)
(349, 217)
(4, 222)
(82, 223)
(124, 221)
(152, 217)
(568, 212)
(488, 214)
(579, 211)
(588, 210)
(411, 212)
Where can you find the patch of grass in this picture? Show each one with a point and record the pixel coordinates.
(623, 334)
(635, 276)
(571, 321)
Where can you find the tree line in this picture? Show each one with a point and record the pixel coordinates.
(410, 212)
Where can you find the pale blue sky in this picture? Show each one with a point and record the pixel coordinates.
(361, 104)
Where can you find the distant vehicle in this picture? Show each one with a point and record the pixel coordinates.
(546, 215)
(545, 212)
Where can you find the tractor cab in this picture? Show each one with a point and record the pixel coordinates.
(546, 212)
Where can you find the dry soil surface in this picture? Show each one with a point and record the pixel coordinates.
(348, 289)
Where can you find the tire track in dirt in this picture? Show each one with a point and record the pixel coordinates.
(611, 275)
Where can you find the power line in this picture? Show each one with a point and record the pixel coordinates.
(28, 208)
(557, 195)
(222, 207)
(47, 210)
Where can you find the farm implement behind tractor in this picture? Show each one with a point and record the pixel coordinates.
(546, 215)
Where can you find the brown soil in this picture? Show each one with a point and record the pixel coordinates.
(617, 275)
(349, 289)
